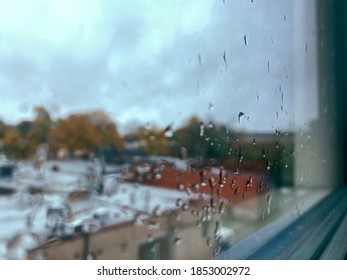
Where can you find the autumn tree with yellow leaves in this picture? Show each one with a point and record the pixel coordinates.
(86, 132)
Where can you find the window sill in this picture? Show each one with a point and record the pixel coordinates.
(317, 233)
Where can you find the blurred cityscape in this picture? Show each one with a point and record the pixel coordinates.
(75, 188)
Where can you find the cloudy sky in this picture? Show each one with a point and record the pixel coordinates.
(150, 61)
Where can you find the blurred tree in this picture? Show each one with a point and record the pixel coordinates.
(153, 140)
(42, 114)
(106, 128)
(40, 128)
(158, 143)
(75, 133)
(192, 137)
(86, 132)
(15, 145)
(3, 128)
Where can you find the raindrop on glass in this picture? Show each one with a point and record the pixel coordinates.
(202, 129)
(179, 202)
(233, 183)
(249, 183)
(90, 256)
(237, 191)
(200, 59)
(268, 165)
(185, 206)
(177, 241)
(225, 60)
(241, 114)
(209, 241)
(168, 131)
(196, 187)
(180, 187)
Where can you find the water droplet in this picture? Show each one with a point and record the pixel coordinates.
(263, 215)
(180, 187)
(185, 206)
(233, 183)
(156, 251)
(284, 17)
(249, 183)
(221, 208)
(253, 141)
(200, 59)
(241, 114)
(245, 39)
(209, 241)
(179, 202)
(218, 246)
(210, 106)
(236, 171)
(202, 129)
(177, 241)
(90, 256)
(263, 152)
(153, 225)
(218, 227)
(240, 155)
(210, 125)
(268, 201)
(196, 187)
(268, 165)
(237, 191)
(225, 60)
(212, 182)
(168, 131)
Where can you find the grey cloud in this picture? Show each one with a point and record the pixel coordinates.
(170, 84)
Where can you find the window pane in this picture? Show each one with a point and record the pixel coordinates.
(142, 130)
